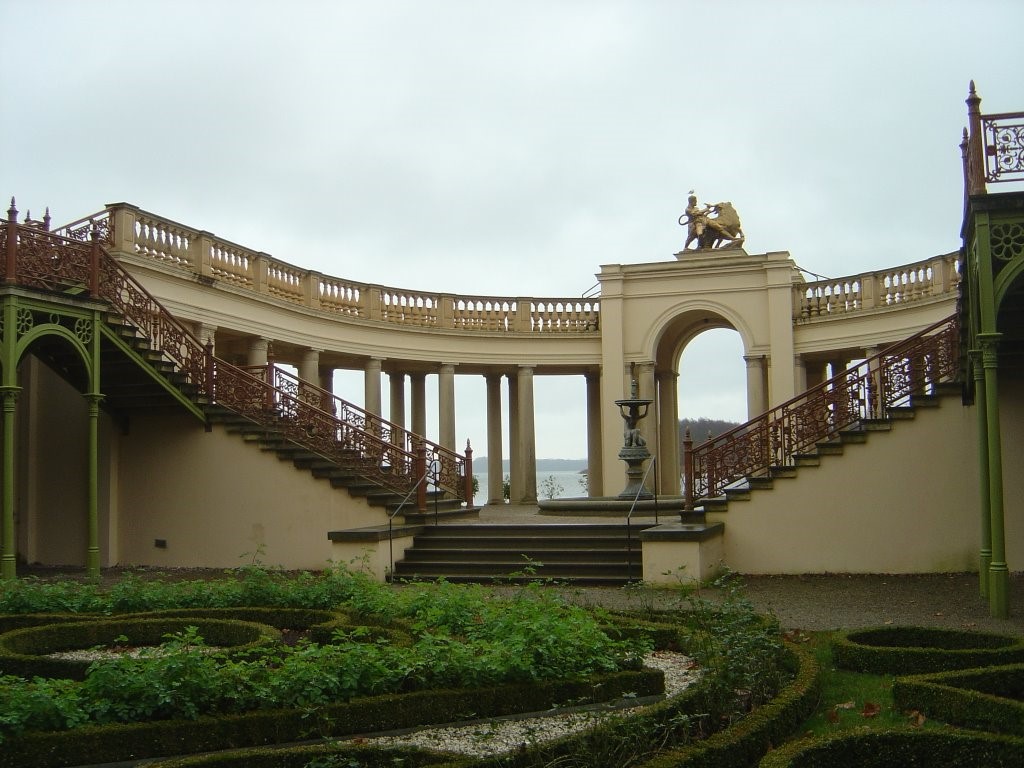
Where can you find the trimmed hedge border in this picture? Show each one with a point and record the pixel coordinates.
(23, 652)
(299, 757)
(920, 650)
(113, 743)
(752, 735)
(990, 699)
(747, 740)
(901, 749)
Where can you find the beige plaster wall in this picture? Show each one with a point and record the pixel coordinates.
(1011, 412)
(219, 502)
(904, 502)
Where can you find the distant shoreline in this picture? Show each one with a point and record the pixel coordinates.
(543, 465)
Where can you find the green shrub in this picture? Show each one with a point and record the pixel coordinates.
(991, 699)
(915, 650)
(25, 652)
(901, 749)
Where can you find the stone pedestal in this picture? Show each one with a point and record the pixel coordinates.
(635, 458)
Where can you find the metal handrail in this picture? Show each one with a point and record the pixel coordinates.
(863, 392)
(432, 467)
(629, 515)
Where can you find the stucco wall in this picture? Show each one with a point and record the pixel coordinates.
(218, 501)
(904, 502)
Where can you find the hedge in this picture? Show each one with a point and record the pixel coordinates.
(918, 650)
(24, 652)
(112, 743)
(300, 757)
(901, 749)
(990, 699)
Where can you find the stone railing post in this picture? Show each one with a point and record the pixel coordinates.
(523, 312)
(446, 312)
(975, 151)
(373, 311)
(123, 217)
(201, 253)
(261, 271)
(869, 290)
(311, 289)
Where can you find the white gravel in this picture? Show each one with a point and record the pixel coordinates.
(492, 737)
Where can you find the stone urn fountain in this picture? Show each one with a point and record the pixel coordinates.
(634, 449)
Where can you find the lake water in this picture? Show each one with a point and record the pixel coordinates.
(565, 485)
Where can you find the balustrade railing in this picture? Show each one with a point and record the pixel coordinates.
(993, 150)
(453, 472)
(889, 288)
(863, 392)
(72, 262)
(128, 229)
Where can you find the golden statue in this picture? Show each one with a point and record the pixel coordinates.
(723, 230)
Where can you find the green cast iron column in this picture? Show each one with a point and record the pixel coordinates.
(8, 560)
(999, 573)
(9, 392)
(92, 559)
(985, 555)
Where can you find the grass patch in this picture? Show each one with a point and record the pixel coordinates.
(852, 701)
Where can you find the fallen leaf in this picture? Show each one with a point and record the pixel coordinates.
(846, 705)
(832, 716)
(917, 718)
(888, 621)
(870, 709)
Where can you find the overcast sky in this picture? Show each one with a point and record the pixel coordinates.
(510, 148)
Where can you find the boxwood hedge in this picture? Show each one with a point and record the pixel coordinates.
(917, 650)
(991, 699)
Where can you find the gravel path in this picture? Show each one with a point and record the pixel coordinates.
(812, 602)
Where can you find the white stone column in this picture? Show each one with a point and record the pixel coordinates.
(515, 458)
(258, 351)
(668, 428)
(446, 406)
(309, 366)
(595, 468)
(799, 374)
(418, 389)
(756, 384)
(494, 440)
(527, 436)
(371, 386)
(207, 333)
(396, 403)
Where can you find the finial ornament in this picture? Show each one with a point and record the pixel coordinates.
(713, 226)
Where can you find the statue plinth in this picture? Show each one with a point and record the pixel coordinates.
(635, 458)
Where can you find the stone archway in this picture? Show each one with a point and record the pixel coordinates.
(674, 335)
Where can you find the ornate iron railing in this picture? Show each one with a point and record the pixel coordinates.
(79, 265)
(454, 473)
(862, 393)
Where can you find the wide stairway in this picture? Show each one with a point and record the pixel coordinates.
(584, 553)
(148, 359)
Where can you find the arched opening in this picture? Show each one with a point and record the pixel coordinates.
(702, 374)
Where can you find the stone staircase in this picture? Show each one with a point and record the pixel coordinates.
(347, 477)
(746, 488)
(584, 553)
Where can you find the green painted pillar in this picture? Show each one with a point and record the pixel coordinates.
(999, 573)
(8, 558)
(985, 554)
(92, 558)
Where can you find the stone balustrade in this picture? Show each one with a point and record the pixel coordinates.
(132, 230)
(891, 288)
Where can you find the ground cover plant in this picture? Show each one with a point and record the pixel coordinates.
(456, 637)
